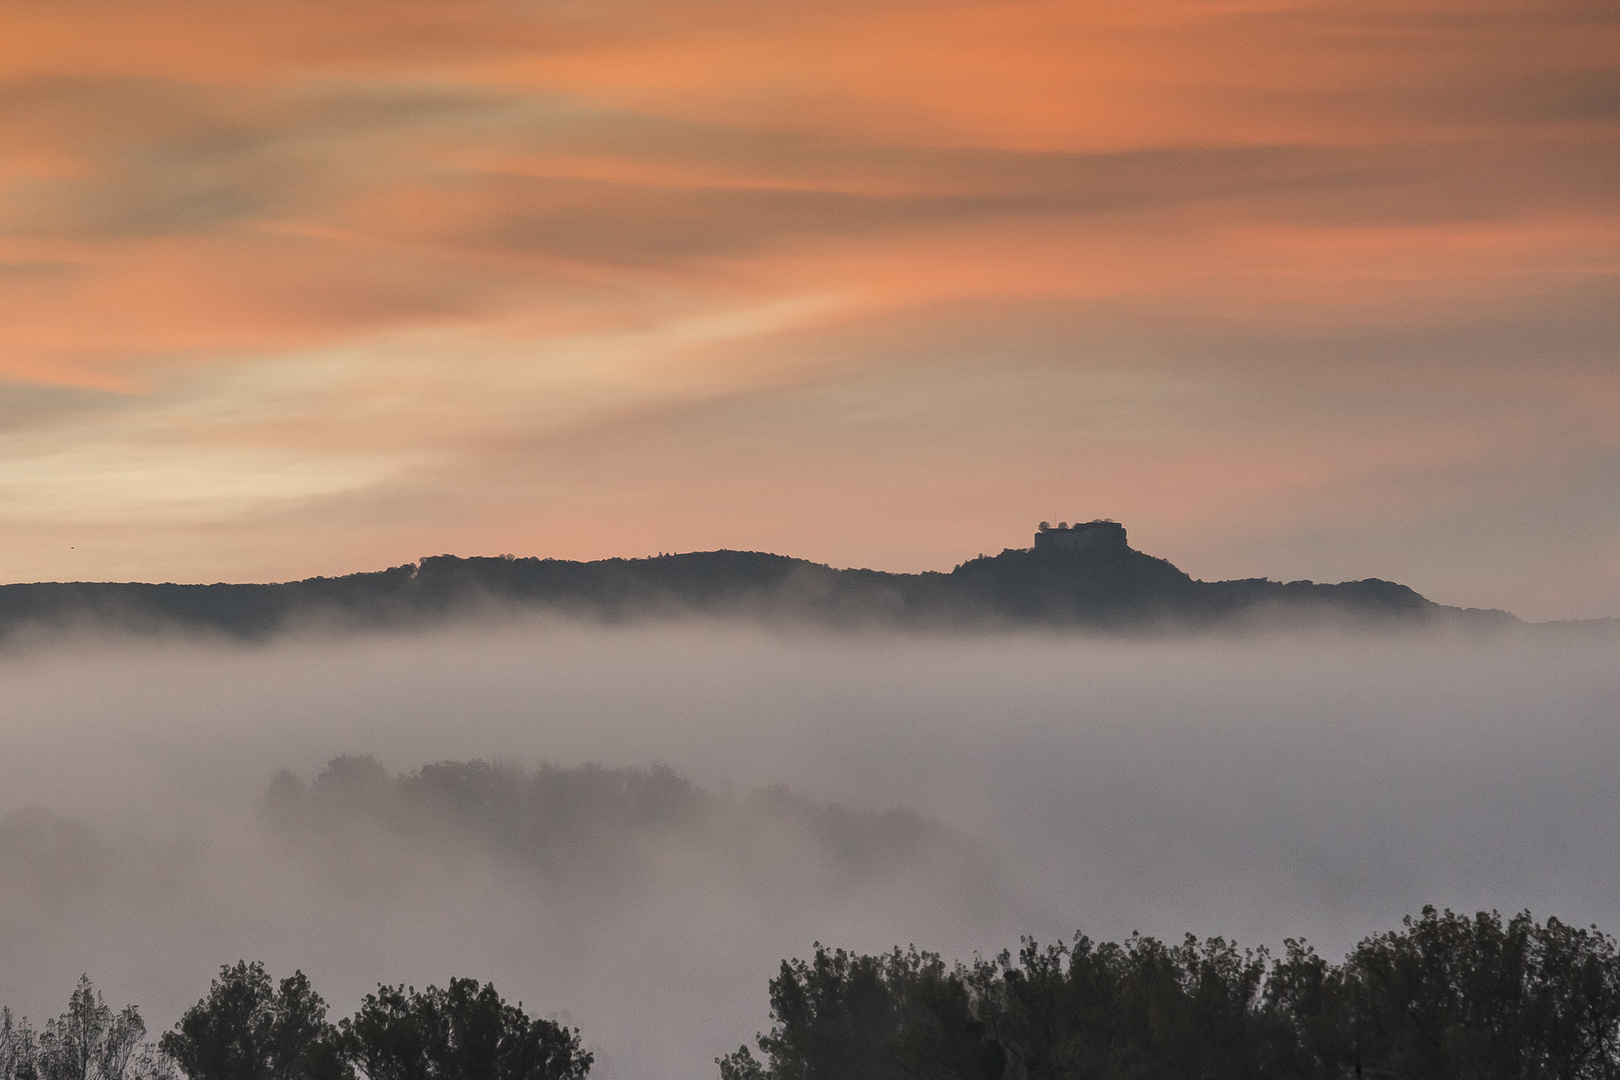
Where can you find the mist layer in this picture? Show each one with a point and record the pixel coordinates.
(1257, 788)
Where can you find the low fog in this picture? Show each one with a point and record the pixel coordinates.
(654, 817)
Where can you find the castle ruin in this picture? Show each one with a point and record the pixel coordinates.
(1079, 536)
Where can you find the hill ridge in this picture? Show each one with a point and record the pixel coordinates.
(1109, 587)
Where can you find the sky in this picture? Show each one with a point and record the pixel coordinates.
(1320, 290)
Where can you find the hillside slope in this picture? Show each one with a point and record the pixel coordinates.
(1105, 586)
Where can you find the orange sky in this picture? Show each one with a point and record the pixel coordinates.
(1317, 290)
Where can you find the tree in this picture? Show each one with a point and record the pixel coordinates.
(91, 1042)
(1141, 1008)
(847, 1017)
(1453, 996)
(19, 1050)
(463, 1032)
(249, 1029)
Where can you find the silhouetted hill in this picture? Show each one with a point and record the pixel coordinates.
(1093, 581)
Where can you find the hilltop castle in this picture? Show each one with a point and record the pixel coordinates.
(1080, 536)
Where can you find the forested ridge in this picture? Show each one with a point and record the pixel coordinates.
(1115, 588)
(1444, 997)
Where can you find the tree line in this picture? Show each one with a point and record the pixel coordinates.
(599, 830)
(250, 1027)
(1446, 997)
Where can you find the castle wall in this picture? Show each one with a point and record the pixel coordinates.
(1090, 534)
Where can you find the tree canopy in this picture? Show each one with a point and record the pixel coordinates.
(250, 1027)
(1446, 997)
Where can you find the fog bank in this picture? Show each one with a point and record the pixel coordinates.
(1255, 787)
